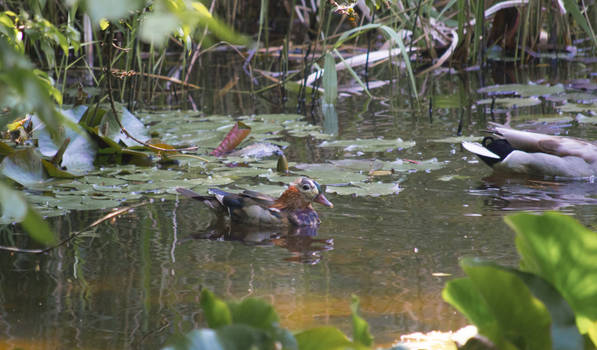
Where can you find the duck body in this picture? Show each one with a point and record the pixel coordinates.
(523, 152)
(293, 207)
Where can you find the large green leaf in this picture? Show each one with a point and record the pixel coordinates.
(81, 151)
(360, 327)
(521, 320)
(325, 338)
(23, 166)
(254, 312)
(16, 209)
(216, 311)
(564, 253)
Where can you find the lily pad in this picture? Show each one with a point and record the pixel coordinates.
(80, 153)
(512, 102)
(458, 139)
(372, 189)
(523, 90)
(369, 145)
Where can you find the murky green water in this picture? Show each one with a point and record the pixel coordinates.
(135, 280)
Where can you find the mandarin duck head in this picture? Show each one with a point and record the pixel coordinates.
(300, 194)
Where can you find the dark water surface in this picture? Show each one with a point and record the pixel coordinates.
(134, 281)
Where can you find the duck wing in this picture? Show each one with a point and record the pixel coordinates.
(261, 198)
(560, 146)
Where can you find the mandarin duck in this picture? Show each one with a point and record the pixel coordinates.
(293, 207)
(530, 153)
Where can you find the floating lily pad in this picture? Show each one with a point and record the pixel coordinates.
(369, 145)
(578, 108)
(586, 119)
(372, 189)
(458, 139)
(512, 102)
(523, 90)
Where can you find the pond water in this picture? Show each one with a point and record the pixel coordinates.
(134, 280)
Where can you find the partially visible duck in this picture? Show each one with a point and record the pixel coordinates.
(524, 152)
(293, 207)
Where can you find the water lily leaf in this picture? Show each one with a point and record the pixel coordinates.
(234, 137)
(369, 145)
(258, 150)
(53, 171)
(447, 178)
(23, 166)
(523, 90)
(5, 149)
(111, 129)
(325, 174)
(585, 119)
(512, 102)
(578, 108)
(80, 153)
(372, 189)
(458, 139)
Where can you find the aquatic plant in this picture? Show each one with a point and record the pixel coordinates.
(546, 303)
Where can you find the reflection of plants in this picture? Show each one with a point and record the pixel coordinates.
(253, 324)
(549, 302)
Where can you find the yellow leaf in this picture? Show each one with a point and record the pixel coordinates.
(104, 24)
(201, 9)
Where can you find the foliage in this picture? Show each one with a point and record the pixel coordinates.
(253, 323)
(549, 302)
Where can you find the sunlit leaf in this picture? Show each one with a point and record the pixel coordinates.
(325, 338)
(216, 311)
(563, 252)
(360, 327)
(369, 145)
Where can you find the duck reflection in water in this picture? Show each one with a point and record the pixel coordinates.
(515, 193)
(301, 241)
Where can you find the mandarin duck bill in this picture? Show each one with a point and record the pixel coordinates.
(529, 153)
(293, 207)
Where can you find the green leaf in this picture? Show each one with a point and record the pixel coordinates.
(216, 311)
(513, 317)
(360, 327)
(564, 253)
(572, 7)
(110, 9)
(23, 166)
(241, 336)
(20, 211)
(38, 228)
(254, 312)
(325, 338)
(329, 80)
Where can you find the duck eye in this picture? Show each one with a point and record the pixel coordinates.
(306, 187)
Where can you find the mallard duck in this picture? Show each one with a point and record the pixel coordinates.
(532, 153)
(293, 207)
